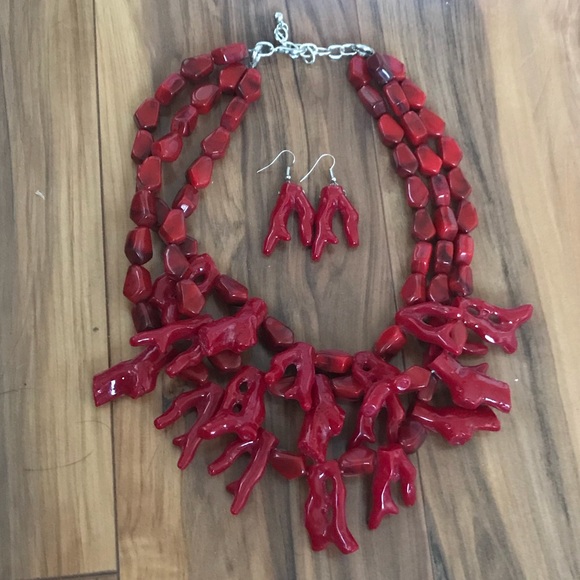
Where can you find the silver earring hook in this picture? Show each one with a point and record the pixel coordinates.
(332, 177)
(288, 167)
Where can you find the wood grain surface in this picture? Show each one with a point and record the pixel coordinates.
(95, 493)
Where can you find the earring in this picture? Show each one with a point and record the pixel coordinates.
(290, 197)
(332, 199)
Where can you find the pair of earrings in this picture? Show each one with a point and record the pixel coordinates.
(315, 227)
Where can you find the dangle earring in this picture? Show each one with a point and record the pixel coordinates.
(291, 197)
(332, 199)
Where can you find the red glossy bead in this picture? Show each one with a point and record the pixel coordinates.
(467, 219)
(358, 74)
(439, 289)
(190, 300)
(411, 436)
(417, 192)
(141, 146)
(186, 200)
(168, 148)
(449, 151)
(443, 257)
(347, 388)
(461, 281)
(137, 285)
(175, 262)
(357, 461)
(173, 230)
(413, 290)
(226, 361)
(396, 98)
(138, 246)
(205, 97)
(337, 362)
(277, 335)
(463, 249)
(231, 291)
(184, 121)
(230, 76)
(230, 53)
(434, 124)
(414, 94)
(445, 223)
(143, 208)
(372, 101)
(414, 128)
(216, 143)
(149, 174)
(460, 187)
(161, 211)
(429, 162)
(440, 190)
(423, 227)
(421, 258)
(384, 68)
(390, 131)
(189, 247)
(250, 85)
(147, 114)
(197, 67)
(199, 172)
(145, 317)
(406, 163)
(391, 341)
(290, 465)
(234, 113)
(169, 88)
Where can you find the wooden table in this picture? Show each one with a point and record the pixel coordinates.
(95, 492)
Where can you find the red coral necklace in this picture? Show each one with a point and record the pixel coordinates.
(177, 336)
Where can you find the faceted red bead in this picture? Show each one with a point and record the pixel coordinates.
(197, 67)
(147, 115)
(421, 258)
(149, 174)
(138, 246)
(234, 113)
(205, 97)
(439, 289)
(460, 188)
(384, 68)
(413, 290)
(423, 227)
(445, 223)
(464, 248)
(449, 151)
(277, 335)
(143, 208)
(290, 465)
(199, 173)
(230, 76)
(443, 256)
(358, 74)
(417, 192)
(406, 163)
(168, 148)
(396, 98)
(141, 146)
(390, 131)
(429, 161)
(137, 285)
(175, 262)
(337, 362)
(347, 388)
(414, 94)
(440, 190)
(184, 121)
(173, 231)
(357, 461)
(467, 219)
(434, 124)
(231, 291)
(145, 317)
(461, 281)
(230, 53)
(249, 87)
(391, 341)
(216, 143)
(411, 436)
(186, 199)
(414, 128)
(161, 211)
(372, 101)
(226, 361)
(189, 247)
(167, 90)
(190, 300)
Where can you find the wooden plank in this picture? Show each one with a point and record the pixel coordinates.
(56, 488)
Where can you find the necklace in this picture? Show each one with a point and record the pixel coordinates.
(178, 337)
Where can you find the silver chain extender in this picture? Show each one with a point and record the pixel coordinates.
(307, 51)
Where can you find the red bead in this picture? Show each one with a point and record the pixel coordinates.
(161, 211)
(216, 143)
(384, 68)
(414, 128)
(226, 361)
(439, 289)
(184, 121)
(423, 227)
(290, 465)
(205, 97)
(358, 74)
(147, 115)
(189, 247)
(421, 258)
(406, 163)
(229, 54)
(440, 190)
(434, 124)
(231, 291)
(143, 211)
(249, 87)
(347, 388)
(190, 300)
(413, 290)
(417, 192)
(443, 257)
(390, 131)
(197, 67)
(168, 148)
(463, 249)
(141, 146)
(230, 76)
(138, 246)
(372, 101)
(460, 188)
(234, 113)
(396, 98)
(429, 162)
(199, 173)
(186, 200)
(137, 285)
(449, 151)
(445, 223)
(337, 362)
(461, 281)
(391, 341)
(173, 231)
(357, 461)
(277, 336)
(145, 317)
(411, 436)
(467, 219)
(149, 174)
(175, 262)
(414, 94)
(169, 88)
